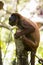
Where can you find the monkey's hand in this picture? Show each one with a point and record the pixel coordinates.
(16, 36)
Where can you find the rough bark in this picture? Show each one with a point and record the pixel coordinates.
(22, 55)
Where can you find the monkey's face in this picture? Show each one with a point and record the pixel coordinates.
(13, 19)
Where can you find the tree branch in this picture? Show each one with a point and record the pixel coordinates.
(7, 26)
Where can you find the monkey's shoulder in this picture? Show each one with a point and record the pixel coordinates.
(26, 24)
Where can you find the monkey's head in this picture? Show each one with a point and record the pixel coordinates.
(13, 19)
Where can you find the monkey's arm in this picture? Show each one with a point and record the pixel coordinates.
(24, 32)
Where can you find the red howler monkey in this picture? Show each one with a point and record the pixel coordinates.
(29, 32)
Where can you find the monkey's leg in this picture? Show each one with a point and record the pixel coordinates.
(33, 57)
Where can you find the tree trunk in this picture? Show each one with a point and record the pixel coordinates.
(22, 55)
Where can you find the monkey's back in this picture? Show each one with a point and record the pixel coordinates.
(26, 23)
(34, 36)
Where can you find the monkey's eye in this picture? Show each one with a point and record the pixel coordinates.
(14, 16)
(11, 19)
